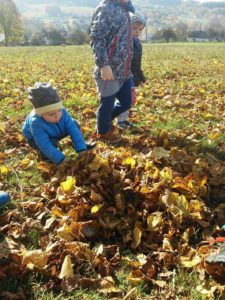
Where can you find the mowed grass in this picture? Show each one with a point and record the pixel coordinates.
(182, 101)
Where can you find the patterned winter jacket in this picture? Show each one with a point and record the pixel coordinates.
(136, 70)
(111, 38)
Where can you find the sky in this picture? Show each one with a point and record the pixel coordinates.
(211, 1)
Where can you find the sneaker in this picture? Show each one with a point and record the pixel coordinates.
(4, 199)
(90, 145)
(109, 137)
(125, 124)
(122, 124)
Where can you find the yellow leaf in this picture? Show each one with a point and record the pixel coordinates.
(19, 137)
(137, 234)
(153, 173)
(155, 221)
(129, 161)
(67, 268)
(26, 163)
(202, 91)
(167, 246)
(195, 206)
(96, 208)
(203, 181)
(68, 185)
(99, 162)
(135, 277)
(148, 165)
(35, 259)
(65, 233)
(183, 203)
(166, 174)
(56, 211)
(190, 263)
(215, 136)
(207, 116)
(2, 128)
(44, 167)
(4, 170)
(135, 281)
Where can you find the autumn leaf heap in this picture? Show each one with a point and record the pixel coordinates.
(105, 202)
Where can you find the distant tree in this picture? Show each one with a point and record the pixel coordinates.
(156, 35)
(168, 34)
(216, 29)
(10, 22)
(181, 31)
(31, 27)
(78, 37)
(37, 39)
(54, 36)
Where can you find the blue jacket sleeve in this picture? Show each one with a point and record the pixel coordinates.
(45, 146)
(75, 133)
(100, 30)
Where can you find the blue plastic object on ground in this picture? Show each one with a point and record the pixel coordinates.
(4, 198)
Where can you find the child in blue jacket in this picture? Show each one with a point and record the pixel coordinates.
(112, 44)
(49, 122)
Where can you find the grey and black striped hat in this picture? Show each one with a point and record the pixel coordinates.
(44, 97)
(138, 17)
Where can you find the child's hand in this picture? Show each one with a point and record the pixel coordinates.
(106, 73)
(133, 96)
(62, 168)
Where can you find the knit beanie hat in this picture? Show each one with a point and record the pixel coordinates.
(138, 17)
(44, 98)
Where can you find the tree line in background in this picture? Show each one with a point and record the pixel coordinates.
(18, 31)
(50, 35)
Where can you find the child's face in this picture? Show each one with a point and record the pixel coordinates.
(52, 116)
(137, 29)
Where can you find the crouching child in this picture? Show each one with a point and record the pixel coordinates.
(49, 122)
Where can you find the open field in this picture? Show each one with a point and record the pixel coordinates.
(129, 222)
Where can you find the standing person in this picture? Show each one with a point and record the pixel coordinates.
(112, 44)
(49, 122)
(138, 23)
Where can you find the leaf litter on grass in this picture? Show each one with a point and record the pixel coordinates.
(159, 194)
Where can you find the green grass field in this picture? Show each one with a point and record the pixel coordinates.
(129, 222)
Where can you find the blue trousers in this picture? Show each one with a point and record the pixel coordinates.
(109, 109)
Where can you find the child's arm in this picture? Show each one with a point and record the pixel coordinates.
(142, 77)
(100, 31)
(45, 146)
(75, 133)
